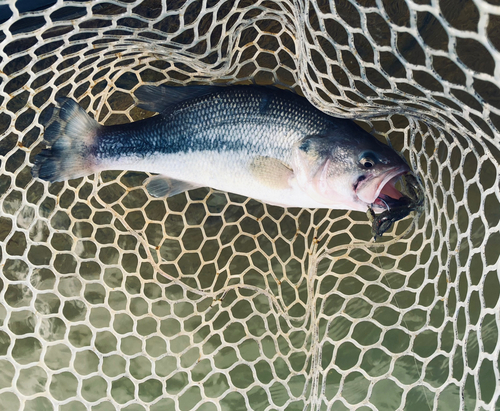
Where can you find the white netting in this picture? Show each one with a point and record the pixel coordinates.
(111, 299)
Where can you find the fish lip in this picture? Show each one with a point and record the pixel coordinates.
(389, 175)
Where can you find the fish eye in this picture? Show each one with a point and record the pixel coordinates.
(367, 162)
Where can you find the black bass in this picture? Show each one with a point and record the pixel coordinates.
(264, 143)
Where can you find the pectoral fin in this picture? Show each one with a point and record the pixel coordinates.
(161, 186)
(271, 172)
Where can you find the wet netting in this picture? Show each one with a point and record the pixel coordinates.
(112, 299)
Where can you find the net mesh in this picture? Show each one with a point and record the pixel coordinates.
(111, 299)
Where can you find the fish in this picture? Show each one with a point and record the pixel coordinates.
(260, 142)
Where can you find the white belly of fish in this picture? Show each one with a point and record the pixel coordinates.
(230, 171)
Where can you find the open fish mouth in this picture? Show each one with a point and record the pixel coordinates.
(389, 196)
(413, 199)
(381, 193)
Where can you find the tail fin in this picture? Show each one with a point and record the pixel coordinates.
(70, 135)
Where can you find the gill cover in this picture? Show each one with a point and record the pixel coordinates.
(313, 162)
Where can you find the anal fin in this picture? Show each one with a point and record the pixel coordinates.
(271, 172)
(161, 186)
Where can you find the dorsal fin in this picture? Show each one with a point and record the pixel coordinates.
(161, 98)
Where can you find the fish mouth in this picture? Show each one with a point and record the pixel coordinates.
(380, 193)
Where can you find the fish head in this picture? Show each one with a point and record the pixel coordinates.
(353, 172)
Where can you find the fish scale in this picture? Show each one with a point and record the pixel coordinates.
(226, 124)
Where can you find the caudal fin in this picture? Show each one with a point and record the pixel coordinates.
(70, 135)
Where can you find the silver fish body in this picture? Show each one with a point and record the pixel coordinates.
(264, 143)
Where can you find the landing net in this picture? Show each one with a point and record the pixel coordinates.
(111, 299)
